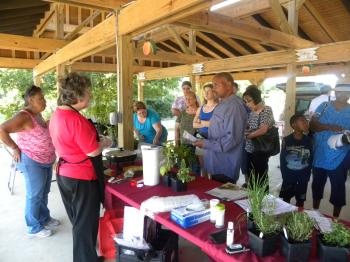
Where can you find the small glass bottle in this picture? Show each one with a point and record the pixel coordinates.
(230, 235)
(220, 216)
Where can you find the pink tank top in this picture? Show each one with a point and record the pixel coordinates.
(36, 143)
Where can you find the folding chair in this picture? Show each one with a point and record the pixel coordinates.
(12, 176)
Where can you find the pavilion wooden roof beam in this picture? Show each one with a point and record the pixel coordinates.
(277, 10)
(321, 21)
(103, 35)
(248, 8)
(22, 12)
(27, 43)
(41, 27)
(109, 5)
(328, 53)
(8, 5)
(223, 25)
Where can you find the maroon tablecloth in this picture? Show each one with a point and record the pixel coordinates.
(199, 234)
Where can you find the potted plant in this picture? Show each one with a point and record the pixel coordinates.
(256, 191)
(178, 183)
(263, 238)
(296, 241)
(263, 232)
(174, 155)
(334, 245)
(168, 163)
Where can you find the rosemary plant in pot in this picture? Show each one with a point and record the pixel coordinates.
(296, 240)
(256, 191)
(179, 183)
(334, 245)
(264, 232)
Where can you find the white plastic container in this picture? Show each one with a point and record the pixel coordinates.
(220, 216)
(150, 162)
(213, 203)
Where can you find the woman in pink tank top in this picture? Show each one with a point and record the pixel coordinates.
(34, 154)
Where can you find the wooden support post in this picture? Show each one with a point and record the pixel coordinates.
(293, 14)
(37, 80)
(289, 108)
(193, 82)
(192, 41)
(59, 22)
(125, 90)
(198, 87)
(140, 85)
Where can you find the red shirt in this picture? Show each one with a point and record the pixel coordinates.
(73, 136)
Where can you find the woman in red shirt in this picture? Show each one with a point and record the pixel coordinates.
(80, 171)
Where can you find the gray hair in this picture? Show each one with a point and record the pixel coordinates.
(72, 88)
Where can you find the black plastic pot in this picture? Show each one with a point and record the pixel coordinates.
(177, 185)
(262, 246)
(331, 254)
(250, 223)
(295, 252)
(166, 181)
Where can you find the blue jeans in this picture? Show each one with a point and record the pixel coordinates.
(37, 178)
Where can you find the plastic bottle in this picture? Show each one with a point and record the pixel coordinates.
(220, 215)
(230, 234)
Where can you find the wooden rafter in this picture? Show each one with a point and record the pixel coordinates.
(327, 53)
(95, 4)
(103, 35)
(165, 11)
(321, 21)
(170, 47)
(98, 38)
(219, 40)
(40, 28)
(170, 57)
(216, 45)
(247, 8)
(8, 5)
(178, 40)
(72, 34)
(200, 44)
(238, 47)
(223, 25)
(280, 16)
(27, 43)
(22, 12)
(316, 70)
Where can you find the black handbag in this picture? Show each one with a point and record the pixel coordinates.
(268, 143)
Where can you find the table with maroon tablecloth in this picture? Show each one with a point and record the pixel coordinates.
(198, 234)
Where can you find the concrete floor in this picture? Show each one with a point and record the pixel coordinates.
(15, 246)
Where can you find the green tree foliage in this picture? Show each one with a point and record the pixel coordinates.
(158, 95)
(14, 82)
(104, 96)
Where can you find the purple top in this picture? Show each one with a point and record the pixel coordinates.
(224, 146)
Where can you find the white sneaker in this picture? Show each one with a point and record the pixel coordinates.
(52, 223)
(42, 233)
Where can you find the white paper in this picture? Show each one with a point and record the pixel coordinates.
(228, 192)
(133, 224)
(271, 204)
(323, 223)
(189, 137)
(119, 238)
